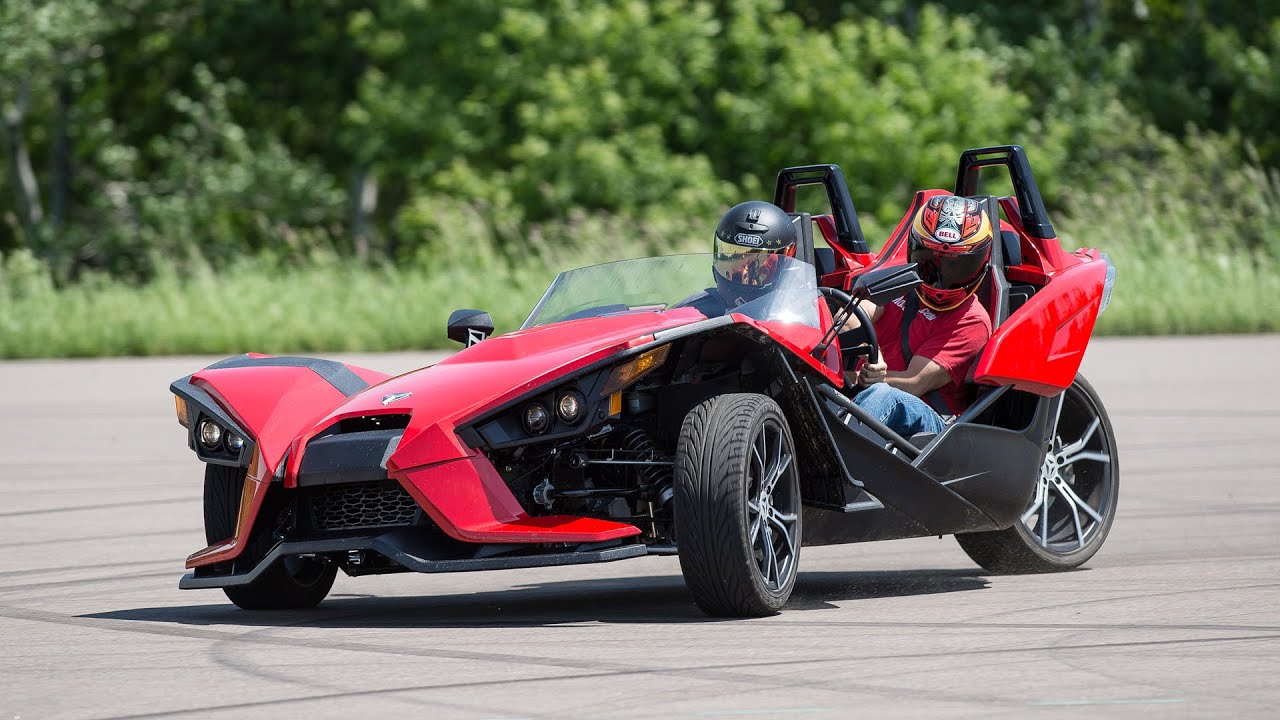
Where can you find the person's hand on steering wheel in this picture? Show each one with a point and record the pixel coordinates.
(872, 372)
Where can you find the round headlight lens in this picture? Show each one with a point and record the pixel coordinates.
(210, 433)
(536, 419)
(569, 407)
(234, 442)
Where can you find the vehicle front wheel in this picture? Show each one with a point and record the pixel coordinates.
(737, 506)
(292, 582)
(1074, 503)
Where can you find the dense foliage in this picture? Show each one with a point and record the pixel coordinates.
(143, 138)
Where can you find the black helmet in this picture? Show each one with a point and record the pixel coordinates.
(749, 243)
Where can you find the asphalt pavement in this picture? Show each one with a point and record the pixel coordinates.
(1177, 616)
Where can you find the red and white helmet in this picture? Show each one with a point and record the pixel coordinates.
(950, 242)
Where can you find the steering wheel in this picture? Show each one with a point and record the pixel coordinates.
(847, 306)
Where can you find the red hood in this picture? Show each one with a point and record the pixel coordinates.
(489, 374)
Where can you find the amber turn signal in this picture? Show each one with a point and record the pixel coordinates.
(184, 419)
(634, 369)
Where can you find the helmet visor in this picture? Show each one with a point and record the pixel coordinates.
(947, 271)
(754, 267)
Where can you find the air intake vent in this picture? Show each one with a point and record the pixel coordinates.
(366, 423)
(361, 505)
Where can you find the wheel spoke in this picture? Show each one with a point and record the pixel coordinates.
(1057, 412)
(1035, 504)
(781, 467)
(766, 552)
(1075, 499)
(1078, 445)
(1075, 514)
(755, 528)
(783, 565)
(1044, 520)
(777, 451)
(1087, 455)
(755, 450)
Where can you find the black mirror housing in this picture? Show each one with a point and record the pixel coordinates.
(886, 284)
(469, 326)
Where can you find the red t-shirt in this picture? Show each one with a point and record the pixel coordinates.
(952, 339)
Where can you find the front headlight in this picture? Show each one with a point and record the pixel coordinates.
(210, 433)
(569, 407)
(536, 419)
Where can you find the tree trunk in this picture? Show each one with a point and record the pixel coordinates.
(364, 202)
(60, 156)
(26, 191)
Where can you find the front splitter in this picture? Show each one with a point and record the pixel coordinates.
(400, 548)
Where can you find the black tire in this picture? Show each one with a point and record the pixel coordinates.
(1055, 542)
(291, 583)
(719, 474)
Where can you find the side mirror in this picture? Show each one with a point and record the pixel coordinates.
(886, 284)
(469, 326)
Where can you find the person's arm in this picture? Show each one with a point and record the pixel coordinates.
(872, 310)
(921, 376)
(938, 362)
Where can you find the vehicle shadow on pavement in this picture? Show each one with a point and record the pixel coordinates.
(653, 599)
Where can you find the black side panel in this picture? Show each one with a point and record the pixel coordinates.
(994, 468)
(905, 488)
(831, 527)
(823, 475)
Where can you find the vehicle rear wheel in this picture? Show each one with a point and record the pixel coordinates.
(1074, 503)
(737, 508)
(292, 582)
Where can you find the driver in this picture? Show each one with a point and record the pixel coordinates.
(749, 244)
(929, 339)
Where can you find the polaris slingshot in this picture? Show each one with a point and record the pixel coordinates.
(619, 421)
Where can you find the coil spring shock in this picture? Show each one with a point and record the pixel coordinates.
(637, 441)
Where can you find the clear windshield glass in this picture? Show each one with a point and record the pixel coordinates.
(659, 284)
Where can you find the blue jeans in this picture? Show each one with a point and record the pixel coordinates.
(903, 412)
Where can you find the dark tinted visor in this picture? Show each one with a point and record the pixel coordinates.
(947, 271)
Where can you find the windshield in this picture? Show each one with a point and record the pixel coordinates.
(657, 284)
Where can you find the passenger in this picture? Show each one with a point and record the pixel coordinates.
(926, 352)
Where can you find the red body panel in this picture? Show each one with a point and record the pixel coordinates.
(1039, 348)
(469, 500)
(274, 404)
(458, 488)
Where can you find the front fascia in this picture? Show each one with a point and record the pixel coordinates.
(470, 501)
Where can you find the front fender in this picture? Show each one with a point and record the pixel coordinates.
(270, 400)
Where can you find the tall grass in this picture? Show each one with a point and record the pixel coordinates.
(1182, 268)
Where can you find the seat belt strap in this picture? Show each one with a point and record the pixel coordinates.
(933, 397)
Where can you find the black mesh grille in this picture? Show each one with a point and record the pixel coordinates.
(359, 505)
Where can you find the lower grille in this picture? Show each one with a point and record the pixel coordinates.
(361, 505)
